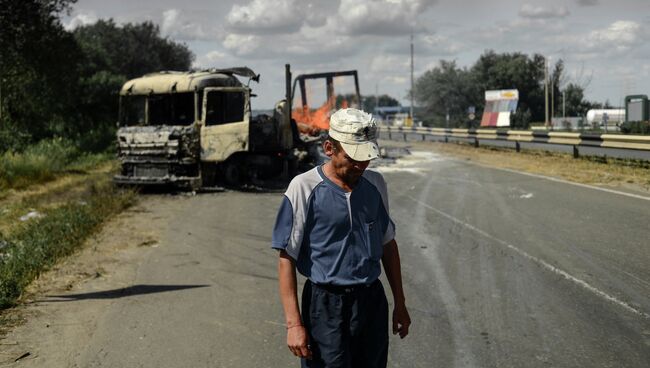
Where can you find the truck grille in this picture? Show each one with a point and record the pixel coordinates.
(151, 171)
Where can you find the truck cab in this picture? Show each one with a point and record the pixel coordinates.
(185, 128)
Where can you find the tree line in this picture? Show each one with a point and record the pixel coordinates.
(59, 83)
(450, 89)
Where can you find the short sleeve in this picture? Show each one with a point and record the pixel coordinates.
(283, 225)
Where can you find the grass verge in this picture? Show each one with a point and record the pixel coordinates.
(612, 172)
(34, 246)
(43, 161)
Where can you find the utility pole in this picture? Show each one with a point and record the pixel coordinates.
(412, 75)
(552, 97)
(447, 120)
(564, 104)
(546, 93)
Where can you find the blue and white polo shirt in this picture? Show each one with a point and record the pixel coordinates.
(335, 237)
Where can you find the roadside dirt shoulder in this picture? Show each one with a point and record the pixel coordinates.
(46, 322)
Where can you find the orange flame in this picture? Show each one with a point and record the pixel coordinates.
(312, 122)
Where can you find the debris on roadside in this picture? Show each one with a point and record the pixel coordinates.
(31, 215)
(23, 356)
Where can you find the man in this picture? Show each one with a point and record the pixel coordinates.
(334, 227)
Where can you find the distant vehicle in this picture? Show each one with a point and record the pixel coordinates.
(595, 116)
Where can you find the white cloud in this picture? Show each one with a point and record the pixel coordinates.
(215, 55)
(81, 19)
(389, 63)
(396, 79)
(242, 44)
(213, 58)
(540, 12)
(440, 45)
(607, 51)
(275, 16)
(380, 17)
(646, 70)
(587, 2)
(620, 34)
(176, 25)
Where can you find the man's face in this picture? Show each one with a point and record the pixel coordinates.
(345, 167)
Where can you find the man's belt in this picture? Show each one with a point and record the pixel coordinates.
(347, 289)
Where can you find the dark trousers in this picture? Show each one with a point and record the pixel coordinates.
(347, 326)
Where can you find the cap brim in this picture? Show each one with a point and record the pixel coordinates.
(361, 152)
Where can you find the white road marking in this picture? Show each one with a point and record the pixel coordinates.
(526, 196)
(540, 262)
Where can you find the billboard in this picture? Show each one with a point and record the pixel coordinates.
(499, 104)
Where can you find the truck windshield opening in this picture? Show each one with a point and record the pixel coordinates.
(224, 107)
(164, 109)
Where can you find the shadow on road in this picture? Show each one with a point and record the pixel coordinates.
(122, 292)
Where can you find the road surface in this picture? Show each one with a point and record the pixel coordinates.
(501, 269)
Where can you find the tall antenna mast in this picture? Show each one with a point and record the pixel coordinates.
(411, 75)
(376, 94)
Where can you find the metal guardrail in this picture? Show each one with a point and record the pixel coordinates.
(634, 142)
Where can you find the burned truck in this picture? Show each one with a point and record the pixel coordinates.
(189, 128)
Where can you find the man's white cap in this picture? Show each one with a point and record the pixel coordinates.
(356, 130)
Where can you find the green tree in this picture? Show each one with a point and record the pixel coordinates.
(38, 70)
(58, 83)
(131, 51)
(494, 71)
(574, 100)
(450, 89)
(443, 90)
(113, 54)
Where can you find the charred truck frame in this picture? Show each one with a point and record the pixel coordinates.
(185, 128)
(189, 128)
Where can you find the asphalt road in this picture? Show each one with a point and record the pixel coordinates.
(501, 270)
(510, 270)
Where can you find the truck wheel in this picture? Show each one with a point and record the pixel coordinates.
(232, 173)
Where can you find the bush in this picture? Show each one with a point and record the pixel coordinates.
(37, 163)
(520, 119)
(635, 127)
(11, 137)
(100, 139)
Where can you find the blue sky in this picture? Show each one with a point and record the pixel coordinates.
(605, 44)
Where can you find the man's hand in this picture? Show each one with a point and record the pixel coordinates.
(401, 321)
(390, 259)
(296, 333)
(297, 342)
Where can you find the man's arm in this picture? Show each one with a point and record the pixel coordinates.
(296, 333)
(393, 268)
